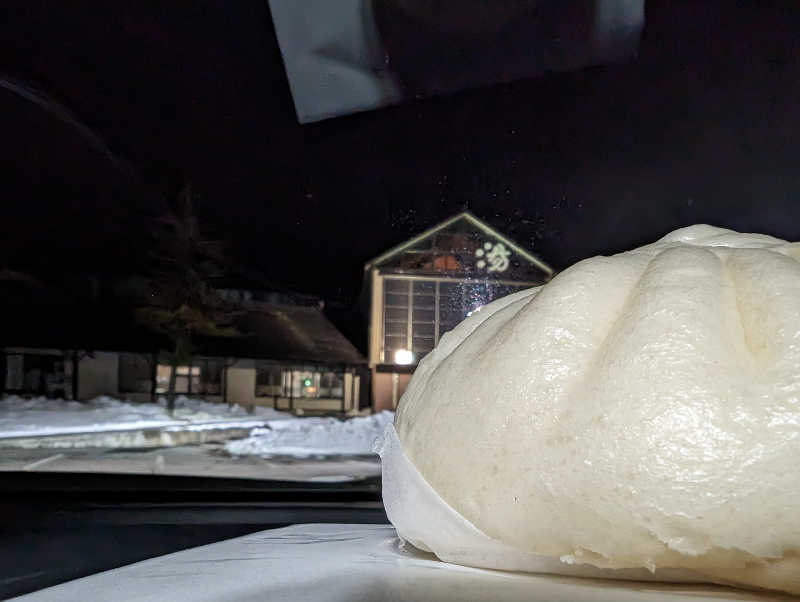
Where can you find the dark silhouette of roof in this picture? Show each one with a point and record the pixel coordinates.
(33, 314)
(285, 332)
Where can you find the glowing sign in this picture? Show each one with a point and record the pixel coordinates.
(493, 257)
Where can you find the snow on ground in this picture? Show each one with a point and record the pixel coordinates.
(281, 433)
(313, 437)
(21, 417)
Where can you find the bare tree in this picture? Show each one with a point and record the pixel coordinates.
(181, 301)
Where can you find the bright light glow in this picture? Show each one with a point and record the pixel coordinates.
(403, 357)
(477, 309)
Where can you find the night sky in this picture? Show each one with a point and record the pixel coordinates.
(703, 127)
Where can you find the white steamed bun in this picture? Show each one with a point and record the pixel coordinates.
(639, 410)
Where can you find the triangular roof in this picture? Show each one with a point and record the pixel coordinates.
(474, 221)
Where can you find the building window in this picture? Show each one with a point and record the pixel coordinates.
(270, 380)
(182, 378)
(134, 373)
(275, 380)
(331, 385)
(209, 381)
(423, 318)
(39, 374)
(202, 377)
(15, 372)
(396, 306)
(305, 383)
(417, 312)
(457, 300)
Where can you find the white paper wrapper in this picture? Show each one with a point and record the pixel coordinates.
(348, 563)
(426, 521)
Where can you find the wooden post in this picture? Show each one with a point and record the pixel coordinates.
(344, 391)
(227, 363)
(284, 387)
(224, 382)
(76, 362)
(3, 371)
(353, 404)
(173, 376)
(153, 376)
(42, 392)
(291, 391)
(436, 316)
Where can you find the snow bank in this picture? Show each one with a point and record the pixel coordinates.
(283, 434)
(21, 417)
(313, 436)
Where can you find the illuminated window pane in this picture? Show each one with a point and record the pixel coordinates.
(181, 379)
(331, 385)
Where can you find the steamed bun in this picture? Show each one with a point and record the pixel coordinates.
(639, 410)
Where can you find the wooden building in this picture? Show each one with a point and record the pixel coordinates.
(420, 289)
(290, 357)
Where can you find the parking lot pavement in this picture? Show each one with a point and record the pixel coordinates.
(193, 460)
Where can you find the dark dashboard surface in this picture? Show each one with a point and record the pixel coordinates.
(61, 526)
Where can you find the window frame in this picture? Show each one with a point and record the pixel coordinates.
(295, 373)
(188, 373)
(390, 278)
(281, 368)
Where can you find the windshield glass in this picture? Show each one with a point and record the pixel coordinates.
(233, 231)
